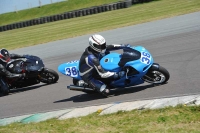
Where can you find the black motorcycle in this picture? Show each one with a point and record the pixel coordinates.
(34, 71)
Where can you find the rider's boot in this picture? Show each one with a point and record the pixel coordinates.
(80, 83)
(104, 91)
(99, 86)
(4, 89)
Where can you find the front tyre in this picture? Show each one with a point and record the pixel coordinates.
(49, 76)
(157, 76)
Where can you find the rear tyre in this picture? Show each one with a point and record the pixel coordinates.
(4, 91)
(160, 76)
(49, 76)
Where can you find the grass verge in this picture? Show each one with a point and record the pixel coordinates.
(136, 14)
(181, 119)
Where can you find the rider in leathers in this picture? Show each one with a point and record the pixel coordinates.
(5, 57)
(89, 65)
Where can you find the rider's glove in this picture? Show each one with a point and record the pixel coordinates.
(119, 74)
(23, 56)
(121, 45)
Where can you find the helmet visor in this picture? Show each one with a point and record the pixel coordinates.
(100, 47)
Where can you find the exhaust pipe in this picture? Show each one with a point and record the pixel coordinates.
(79, 88)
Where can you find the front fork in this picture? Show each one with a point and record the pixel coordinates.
(155, 66)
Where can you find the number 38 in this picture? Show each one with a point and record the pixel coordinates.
(146, 58)
(71, 71)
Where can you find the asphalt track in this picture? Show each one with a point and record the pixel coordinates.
(173, 42)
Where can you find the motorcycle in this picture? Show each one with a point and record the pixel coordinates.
(34, 71)
(137, 63)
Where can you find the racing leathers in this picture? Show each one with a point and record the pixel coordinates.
(4, 71)
(91, 71)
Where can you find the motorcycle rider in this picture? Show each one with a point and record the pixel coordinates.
(5, 57)
(89, 65)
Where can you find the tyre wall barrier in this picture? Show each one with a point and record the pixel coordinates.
(20, 25)
(12, 26)
(1, 28)
(24, 24)
(140, 1)
(73, 14)
(8, 27)
(128, 4)
(40, 20)
(4, 28)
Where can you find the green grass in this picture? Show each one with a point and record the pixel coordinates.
(181, 119)
(69, 28)
(50, 9)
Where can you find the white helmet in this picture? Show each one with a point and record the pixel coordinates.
(98, 43)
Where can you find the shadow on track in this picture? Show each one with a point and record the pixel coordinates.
(116, 92)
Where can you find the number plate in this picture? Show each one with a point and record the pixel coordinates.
(145, 58)
(71, 71)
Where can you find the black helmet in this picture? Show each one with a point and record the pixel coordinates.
(4, 55)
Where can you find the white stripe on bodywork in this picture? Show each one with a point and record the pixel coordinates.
(104, 75)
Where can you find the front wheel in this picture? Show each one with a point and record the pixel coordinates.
(49, 76)
(157, 76)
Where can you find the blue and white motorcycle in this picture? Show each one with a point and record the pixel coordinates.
(136, 61)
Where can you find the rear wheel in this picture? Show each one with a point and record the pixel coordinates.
(4, 88)
(4, 91)
(155, 76)
(49, 76)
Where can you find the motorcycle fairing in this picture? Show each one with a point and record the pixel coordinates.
(110, 62)
(29, 63)
(33, 63)
(114, 61)
(70, 69)
(138, 58)
(129, 55)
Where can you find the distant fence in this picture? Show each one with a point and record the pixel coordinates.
(72, 14)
